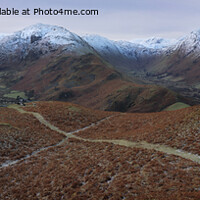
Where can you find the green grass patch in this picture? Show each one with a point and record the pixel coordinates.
(176, 106)
(197, 86)
(13, 94)
(5, 124)
(2, 86)
(74, 109)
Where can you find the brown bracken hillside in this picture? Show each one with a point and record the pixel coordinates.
(54, 150)
(89, 81)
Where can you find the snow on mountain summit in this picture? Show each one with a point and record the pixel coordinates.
(42, 29)
(124, 48)
(195, 35)
(100, 43)
(49, 37)
(44, 38)
(155, 42)
(190, 43)
(54, 34)
(193, 38)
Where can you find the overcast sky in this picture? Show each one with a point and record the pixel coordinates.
(117, 19)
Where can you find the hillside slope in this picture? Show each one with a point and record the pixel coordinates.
(51, 63)
(98, 155)
(89, 81)
(170, 63)
(45, 62)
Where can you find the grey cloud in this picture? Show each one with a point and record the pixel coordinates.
(118, 19)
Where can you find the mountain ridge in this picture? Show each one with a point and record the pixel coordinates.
(78, 71)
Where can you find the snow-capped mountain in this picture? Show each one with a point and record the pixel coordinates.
(41, 39)
(123, 54)
(48, 37)
(136, 54)
(125, 48)
(101, 44)
(156, 43)
(65, 60)
(114, 52)
(53, 34)
(3, 35)
(143, 55)
(190, 44)
(168, 59)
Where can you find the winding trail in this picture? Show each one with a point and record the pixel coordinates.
(126, 143)
(13, 162)
(145, 145)
(50, 126)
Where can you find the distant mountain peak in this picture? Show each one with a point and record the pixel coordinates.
(156, 42)
(42, 38)
(194, 36)
(97, 40)
(55, 34)
(44, 29)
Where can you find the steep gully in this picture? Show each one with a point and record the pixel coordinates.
(126, 143)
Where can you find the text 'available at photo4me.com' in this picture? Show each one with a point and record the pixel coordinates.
(48, 12)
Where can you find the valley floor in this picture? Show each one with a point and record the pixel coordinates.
(54, 150)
